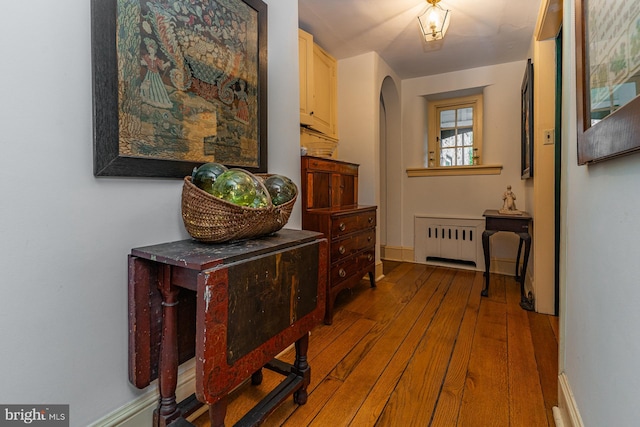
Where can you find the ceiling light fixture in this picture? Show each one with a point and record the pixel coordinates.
(434, 21)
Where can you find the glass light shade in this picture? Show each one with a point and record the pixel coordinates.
(434, 22)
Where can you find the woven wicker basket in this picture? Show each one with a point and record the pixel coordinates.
(210, 219)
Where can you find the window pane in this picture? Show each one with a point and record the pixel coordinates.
(465, 137)
(447, 157)
(448, 138)
(465, 116)
(459, 153)
(448, 118)
(468, 156)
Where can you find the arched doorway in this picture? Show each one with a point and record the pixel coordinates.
(390, 162)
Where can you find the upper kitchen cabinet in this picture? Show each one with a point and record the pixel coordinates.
(318, 87)
(305, 55)
(325, 95)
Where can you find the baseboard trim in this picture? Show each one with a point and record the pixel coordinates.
(397, 253)
(139, 412)
(379, 271)
(498, 265)
(504, 266)
(567, 409)
(558, 419)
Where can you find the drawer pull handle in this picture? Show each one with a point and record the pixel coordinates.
(370, 220)
(342, 250)
(370, 257)
(342, 273)
(342, 226)
(369, 239)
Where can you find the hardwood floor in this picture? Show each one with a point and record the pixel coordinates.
(423, 349)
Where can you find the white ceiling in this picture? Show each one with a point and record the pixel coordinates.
(481, 32)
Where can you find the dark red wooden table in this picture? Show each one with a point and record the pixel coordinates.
(233, 307)
(518, 224)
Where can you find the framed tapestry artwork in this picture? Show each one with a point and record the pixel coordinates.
(177, 84)
(526, 123)
(608, 78)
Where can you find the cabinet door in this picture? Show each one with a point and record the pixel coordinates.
(336, 190)
(325, 93)
(319, 190)
(348, 190)
(305, 56)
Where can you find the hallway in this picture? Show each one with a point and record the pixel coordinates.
(423, 348)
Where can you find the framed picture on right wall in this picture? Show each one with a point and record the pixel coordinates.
(526, 152)
(607, 81)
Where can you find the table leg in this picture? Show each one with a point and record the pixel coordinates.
(302, 368)
(525, 302)
(217, 412)
(487, 260)
(256, 377)
(518, 259)
(167, 410)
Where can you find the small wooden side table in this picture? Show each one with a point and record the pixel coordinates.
(519, 224)
(233, 307)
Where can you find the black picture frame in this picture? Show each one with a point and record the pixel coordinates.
(602, 65)
(526, 140)
(244, 147)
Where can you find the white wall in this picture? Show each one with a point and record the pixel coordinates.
(358, 105)
(360, 80)
(466, 196)
(390, 160)
(65, 235)
(600, 319)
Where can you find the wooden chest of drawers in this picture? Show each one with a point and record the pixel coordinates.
(329, 192)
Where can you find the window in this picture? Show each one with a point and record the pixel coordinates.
(455, 132)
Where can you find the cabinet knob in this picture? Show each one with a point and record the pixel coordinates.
(342, 250)
(369, 239)
(342, 226)
(370, 220)
(342, 273)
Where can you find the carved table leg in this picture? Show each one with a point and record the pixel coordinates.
(167, 410)
(518, 259)
(525, 302)
(302, 368)
(487, 260)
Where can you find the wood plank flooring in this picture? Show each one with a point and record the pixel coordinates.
(423, 349)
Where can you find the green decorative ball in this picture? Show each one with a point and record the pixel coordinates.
(281, 189)
(241, 188)
(204, 176)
